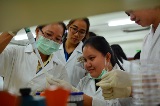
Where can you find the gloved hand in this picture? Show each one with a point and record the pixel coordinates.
(62, 83)
(115, 78)
(114, 93)
(80, 59)
(13, 33)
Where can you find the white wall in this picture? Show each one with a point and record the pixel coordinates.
(130, 42)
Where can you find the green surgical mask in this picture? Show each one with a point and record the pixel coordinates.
(47, 46)
(104, 71)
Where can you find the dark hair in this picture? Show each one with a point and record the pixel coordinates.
(90, 34)
(60, 23)
(137, 55)
(100, 44)
(118, 52)
(86, 20)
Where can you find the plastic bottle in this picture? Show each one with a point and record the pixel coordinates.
(76, 99)
(146, 84)
(27, 100)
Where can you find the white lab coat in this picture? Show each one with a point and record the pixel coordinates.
(87, 85)
(18, 65)
(1, 83)
(74, 69)
(150, 49)
(126, 64)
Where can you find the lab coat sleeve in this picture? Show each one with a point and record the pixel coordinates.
(7, 58)
(125, 101)
(64, 75)
(98, 102)
(113, 102)
(82, 83)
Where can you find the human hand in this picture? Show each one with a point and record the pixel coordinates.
(80, 59)
(115, 78)
(113, 93)
(62, 83)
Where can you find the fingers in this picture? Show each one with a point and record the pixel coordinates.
(108, 94)
(52, 81)
(104, 85)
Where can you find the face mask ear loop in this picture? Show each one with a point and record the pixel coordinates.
(106, 64)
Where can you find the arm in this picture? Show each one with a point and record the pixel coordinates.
(5, 38)
(87, 100)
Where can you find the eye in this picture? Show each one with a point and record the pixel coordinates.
(48, 34)
(58, 39)
(91, 58)
(75, 29)
(82, 32)
(85, 60)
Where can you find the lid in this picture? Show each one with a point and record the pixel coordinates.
(25, 91)
(76, 93)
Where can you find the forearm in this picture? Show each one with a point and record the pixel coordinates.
(5, 38)
(87, 100)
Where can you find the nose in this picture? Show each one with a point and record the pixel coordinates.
(76, 34)
(87, 64)
(132, 17)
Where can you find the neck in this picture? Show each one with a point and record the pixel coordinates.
(110, 67)
(69, 46)
(43, 57)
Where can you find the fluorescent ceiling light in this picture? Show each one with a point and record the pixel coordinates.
(125, 21)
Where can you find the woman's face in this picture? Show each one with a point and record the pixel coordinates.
(77, 31)
(52, 31)
(94, 61)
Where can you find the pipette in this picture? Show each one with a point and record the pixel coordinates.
(33, 43)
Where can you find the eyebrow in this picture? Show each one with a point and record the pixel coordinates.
(53, 33)
(50, 31)
(77, 27)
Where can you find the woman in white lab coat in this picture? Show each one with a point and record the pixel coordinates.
(19, 64)
(71, 49)
(98, 60)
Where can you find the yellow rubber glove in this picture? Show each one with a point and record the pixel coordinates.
(62, 83)
(115, 78)
(115, 84)
(114, 93)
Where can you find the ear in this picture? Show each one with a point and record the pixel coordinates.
(37, 30)
(108, 57)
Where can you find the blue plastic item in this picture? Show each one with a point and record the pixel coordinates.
(27, 100)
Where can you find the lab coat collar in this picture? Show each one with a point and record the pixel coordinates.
(92, 85)
(79, 47)
(61, 47)
(48, 67)
(156, 35)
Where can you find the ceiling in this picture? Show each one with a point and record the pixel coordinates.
(17, 14)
